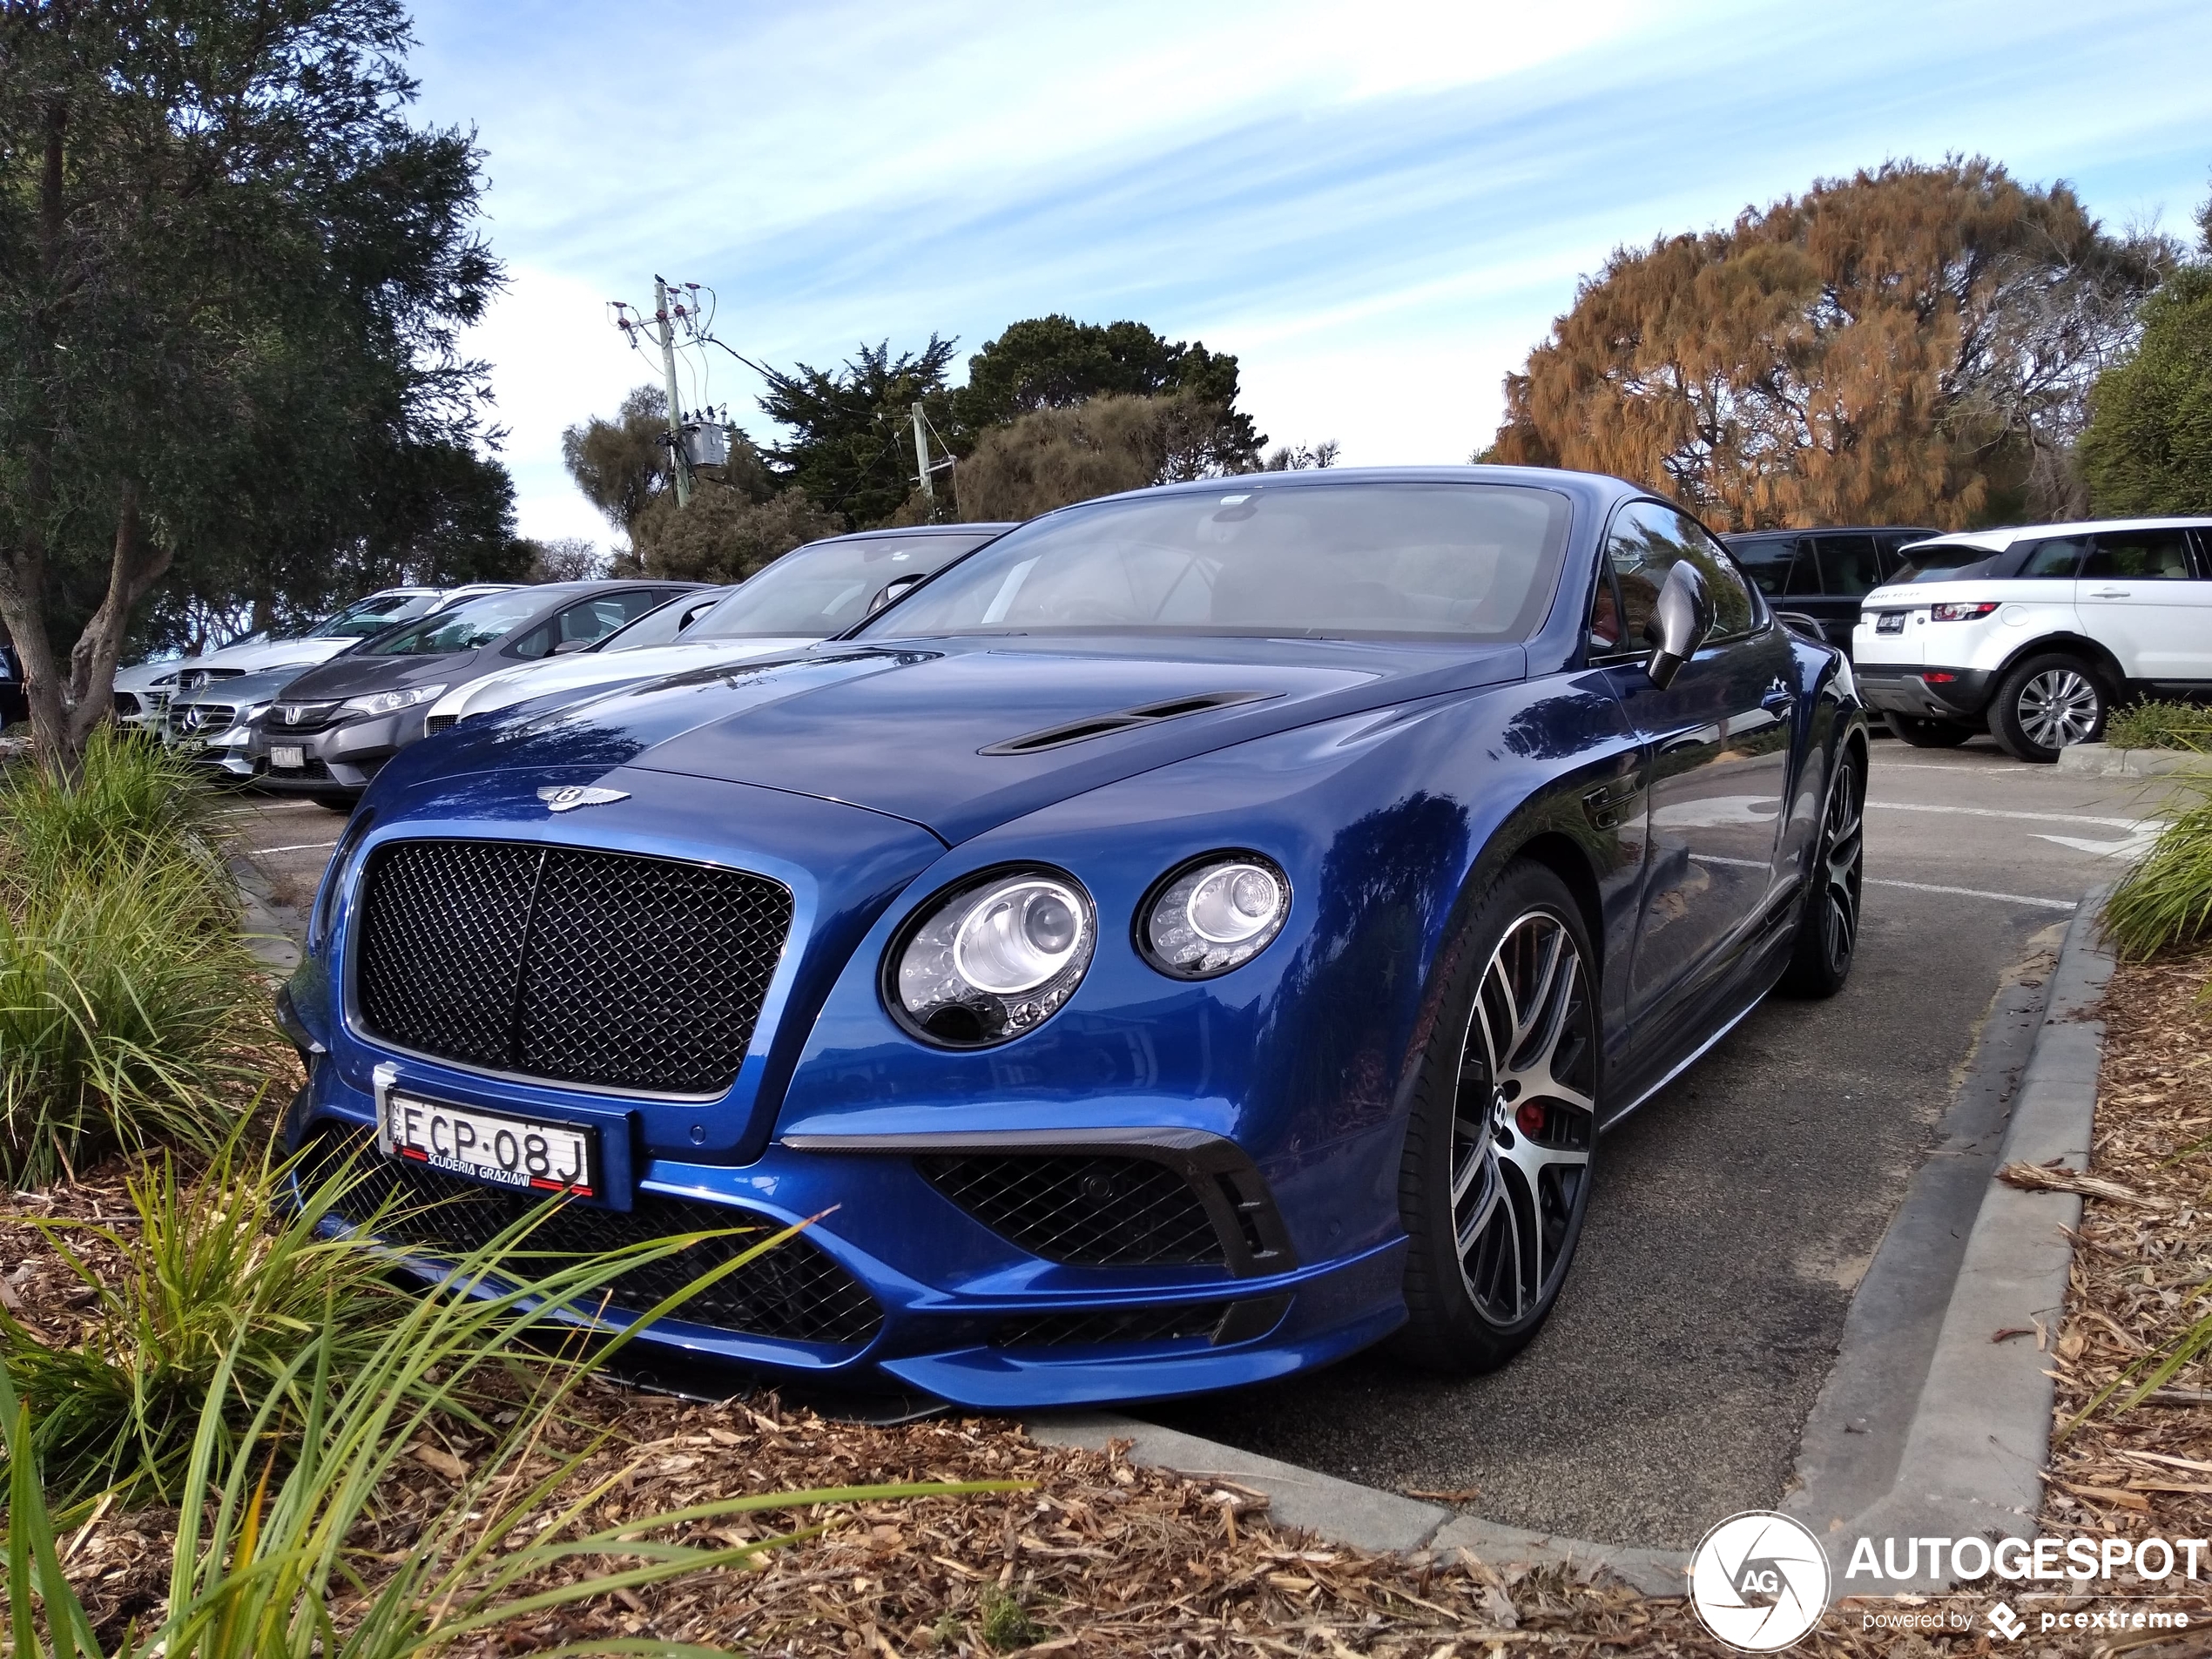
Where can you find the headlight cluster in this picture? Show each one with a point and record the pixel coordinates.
(994, 957)
(391, 702)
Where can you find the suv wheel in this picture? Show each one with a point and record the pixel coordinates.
(2047, 703)
(1923, 734)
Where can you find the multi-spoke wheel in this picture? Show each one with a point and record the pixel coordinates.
(1828, 926)
(1499, 1146)
(2047, 703)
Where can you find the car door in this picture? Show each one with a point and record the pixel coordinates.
(2145, 597)
(1718, 743)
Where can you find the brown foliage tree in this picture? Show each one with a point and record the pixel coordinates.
(1051, 457)
(723, 536)
(1911, 344)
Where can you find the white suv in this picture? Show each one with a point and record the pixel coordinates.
(2032, 634)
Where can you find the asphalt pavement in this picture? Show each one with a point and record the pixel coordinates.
(1735, 1213)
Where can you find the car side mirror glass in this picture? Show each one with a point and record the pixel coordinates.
(1679, 623)
(897, 588)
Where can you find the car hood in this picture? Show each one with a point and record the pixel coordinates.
(243, 688)
(141, 676)
(270, 653)
(960, 735)
(587, 669)
(360, 675)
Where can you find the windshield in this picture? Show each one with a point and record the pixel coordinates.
(656, 627)
(470, 627)
(372, 615)
(824, 588)
(1944, 562)
(1462, 561)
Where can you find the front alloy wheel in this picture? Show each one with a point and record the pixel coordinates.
(1828, 926)
(1498, 1148)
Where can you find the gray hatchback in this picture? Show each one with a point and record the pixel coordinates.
(336, 726)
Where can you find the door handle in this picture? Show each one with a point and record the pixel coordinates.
(1778, 698)
(2109, 593)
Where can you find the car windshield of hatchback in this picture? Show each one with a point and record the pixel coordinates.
(470, 627)
(1944, 562)
(1320, 561)
(813, 592)
(372, 615)
(656, 627)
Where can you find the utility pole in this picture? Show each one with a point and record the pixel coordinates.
(676, 458)
(922, 457)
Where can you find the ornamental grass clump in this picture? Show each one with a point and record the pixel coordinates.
(282, 1489)
(2166, 900)
(131, 1012)
(2186, 726)
(230, 1272)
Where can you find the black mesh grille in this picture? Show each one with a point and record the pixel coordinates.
(795, 1292)
(1118, 1325)
(1088, 1210)
(568, 964)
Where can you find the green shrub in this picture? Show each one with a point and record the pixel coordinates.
(268, 1558)
(225, 1272)
(2161, 725)
(2167, 899)
(130, 800)
(129, 1010)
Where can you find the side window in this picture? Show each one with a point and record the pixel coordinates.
(1648, 540)
(1607, 635)
(1850, 565)
(2055, 556)
(1772, 562)
(533, 644)
(2140, 555)
(594, 618)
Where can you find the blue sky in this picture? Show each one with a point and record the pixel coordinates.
(1377, 207)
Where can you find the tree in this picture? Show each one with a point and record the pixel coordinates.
(1055, 362)
(2148, 448)
(1051, 457)
(852, 448)
(1911, 344)
(622, 464)
(231, 276)
(724, 536)
(567, 558)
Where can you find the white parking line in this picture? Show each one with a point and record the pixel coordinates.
(304, 847)
(1937, 765)
(1976, 893)
(2131, 824)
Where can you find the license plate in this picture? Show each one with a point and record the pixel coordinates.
(1890, 622)
(491, 1146)
(291, 757)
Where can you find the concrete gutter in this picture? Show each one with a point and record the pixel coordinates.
(1970, 1458)
(1967, 1422)
(2102, 760)
(272, 930)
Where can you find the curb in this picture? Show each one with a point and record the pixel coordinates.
(1971, 1459)
(1365, 1517)
(2102, 760)
(1978, 1438)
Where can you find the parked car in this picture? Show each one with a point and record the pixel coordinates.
(1195, 937)
(1822, 573)
(808, 594)
(338, 723)
(214, 726)
(333, 635)
(2032, 633)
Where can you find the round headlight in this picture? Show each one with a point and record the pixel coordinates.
(1213, 914)
(991, 958)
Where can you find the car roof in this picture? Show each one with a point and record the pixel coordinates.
(1734, 536)
(1997, 540)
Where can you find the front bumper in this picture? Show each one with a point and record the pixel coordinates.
(1927, 693)
(340, 759)
(955, 1307)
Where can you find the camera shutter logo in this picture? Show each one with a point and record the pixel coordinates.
(1759, 1580)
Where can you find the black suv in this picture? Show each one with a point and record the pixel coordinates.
(1821, 574)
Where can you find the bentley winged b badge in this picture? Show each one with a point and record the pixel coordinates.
(567, 797)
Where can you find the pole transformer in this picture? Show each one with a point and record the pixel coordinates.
(676, 458)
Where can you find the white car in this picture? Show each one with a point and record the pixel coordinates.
(2033, 633)
(807, 595)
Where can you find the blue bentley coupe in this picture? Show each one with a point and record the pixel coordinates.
(1198, 935)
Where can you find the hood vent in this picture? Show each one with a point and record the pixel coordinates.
(1100, 726)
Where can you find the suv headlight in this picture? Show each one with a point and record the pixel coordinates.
(1214, 913)
(391, 701)
(992, 958)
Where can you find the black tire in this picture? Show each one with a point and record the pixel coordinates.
(2049, 703)
(336, 803)
(1472, 1308)
(1828, 923)
(1924, 733)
